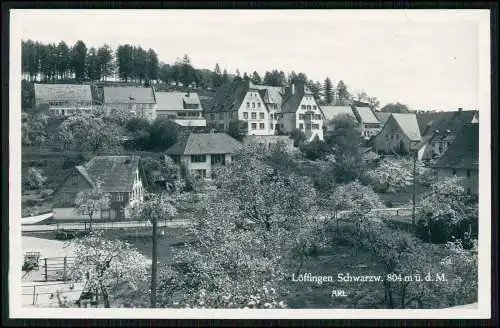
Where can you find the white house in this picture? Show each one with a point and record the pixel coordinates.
(301, 111)
(400, 134)
(67, 99)
(138, 101)
(368, 122)
(199, 153)
(184, 108)
(119, 176)
(268, 110)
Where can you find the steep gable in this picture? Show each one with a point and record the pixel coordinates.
(408, 125)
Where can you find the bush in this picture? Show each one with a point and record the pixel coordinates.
(46, 193)
(63, 234)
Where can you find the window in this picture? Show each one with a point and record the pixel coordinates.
(301, 116)
(253, 105)
(119, 196)
(261, 126)
(454, 172)
(318, 116)
(308, 106)
(308, 126)
(397, 136)
(221, 127)
(314, 107)
(254, 126)
(301, 126)
(248, 104)
(176, 159)
(218, 159)
(201, 173)
(261, 116)
(254, 116)
(258, 104)
(212, 116)
(315, 126)
(198, 158)
(468, 191)
(468, 173)
(245, 115)
(272, 126)
(387, 136)
(74, 179)
(221, 116)
(303, 106)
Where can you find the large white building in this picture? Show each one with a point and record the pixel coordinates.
(268, 110)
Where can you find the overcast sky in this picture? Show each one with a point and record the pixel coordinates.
(424, 61)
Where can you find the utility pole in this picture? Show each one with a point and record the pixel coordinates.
(154, 263)
(414, 179)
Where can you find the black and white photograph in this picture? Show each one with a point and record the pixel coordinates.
(250, 163)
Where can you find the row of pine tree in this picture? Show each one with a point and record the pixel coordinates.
(60, 62)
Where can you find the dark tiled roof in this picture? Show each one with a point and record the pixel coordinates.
(382, 117)
(126, 95)
(291, 101)
(464, 152)
(204, 143)
(117, 173)
(452, 124)
(72, 93)
(229, 97)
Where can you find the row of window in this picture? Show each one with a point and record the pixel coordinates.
(253, 104)
(214, 159)
(276, 116)
(391, 136)
(254, 115)
(253, 126)
(191, 114)
(308, 107)
(309, 116)
(308, 126)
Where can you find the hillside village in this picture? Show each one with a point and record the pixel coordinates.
(280, 167)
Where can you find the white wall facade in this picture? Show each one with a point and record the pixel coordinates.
(312, 126)
(254, 111)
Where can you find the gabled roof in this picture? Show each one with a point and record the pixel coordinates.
(270, 94)
(117, 173)
(293, 96)
(71, 93)
(175, 100)
(366, 115)
(428, 121)
(127, 95)
(464, 152)
(382, 117)
(331, 112)
(452, 124)
(204, 143)
(408, 124)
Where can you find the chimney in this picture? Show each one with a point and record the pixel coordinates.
(460, 109)
(293, 88)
